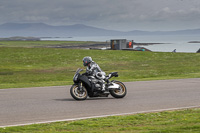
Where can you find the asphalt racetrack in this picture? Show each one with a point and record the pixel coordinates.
(24, 106)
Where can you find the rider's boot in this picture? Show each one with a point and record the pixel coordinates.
(104, 88)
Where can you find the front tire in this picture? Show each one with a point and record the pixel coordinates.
(119, 93)
(77, 94)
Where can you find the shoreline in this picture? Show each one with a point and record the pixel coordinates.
(98, 45)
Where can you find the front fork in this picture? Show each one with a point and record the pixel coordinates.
(80, 87)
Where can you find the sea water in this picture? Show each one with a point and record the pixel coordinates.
(168, 42)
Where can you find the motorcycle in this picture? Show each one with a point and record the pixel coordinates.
(85, 86)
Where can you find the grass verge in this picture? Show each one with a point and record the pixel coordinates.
(32, 67)
(183, 121)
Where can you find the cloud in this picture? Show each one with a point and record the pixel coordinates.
(114, 14)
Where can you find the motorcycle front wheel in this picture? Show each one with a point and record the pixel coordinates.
(119, 93)
(77, 94)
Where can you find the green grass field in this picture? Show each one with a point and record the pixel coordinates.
(183, 121)
(31, 67)
(25, 66)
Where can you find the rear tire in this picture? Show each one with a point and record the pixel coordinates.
(119, 93)
(77, 94)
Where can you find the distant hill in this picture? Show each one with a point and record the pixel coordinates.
(44, 30)
(177, 32)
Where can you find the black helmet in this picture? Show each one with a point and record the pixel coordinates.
(87, 60)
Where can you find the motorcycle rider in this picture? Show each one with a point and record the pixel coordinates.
(93, 69)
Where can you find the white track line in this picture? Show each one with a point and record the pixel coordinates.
(82, 118)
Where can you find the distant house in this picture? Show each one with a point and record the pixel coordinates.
(122, 44)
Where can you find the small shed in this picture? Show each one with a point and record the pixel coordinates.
(118, 44)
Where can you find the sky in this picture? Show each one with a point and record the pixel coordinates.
(122, 15)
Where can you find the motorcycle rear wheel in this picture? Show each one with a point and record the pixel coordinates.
(119, 93)
(77, 94)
